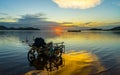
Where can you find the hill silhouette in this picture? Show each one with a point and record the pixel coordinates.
(20, 28)
(115, 28)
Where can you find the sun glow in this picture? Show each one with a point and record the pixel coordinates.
(58, 29)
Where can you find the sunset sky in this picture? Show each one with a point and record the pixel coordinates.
(70, 13)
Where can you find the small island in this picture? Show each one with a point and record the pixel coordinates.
(74, 30)
(20, 28)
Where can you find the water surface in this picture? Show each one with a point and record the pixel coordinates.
(103, 48)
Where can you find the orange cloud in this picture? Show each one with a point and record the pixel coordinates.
(80, 4)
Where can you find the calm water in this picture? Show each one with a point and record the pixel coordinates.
(104, 45)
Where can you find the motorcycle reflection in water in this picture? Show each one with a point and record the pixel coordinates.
(44, 60)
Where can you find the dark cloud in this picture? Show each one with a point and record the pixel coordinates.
(88, 23)
(67, 23)
(36, 20)
(30, 20)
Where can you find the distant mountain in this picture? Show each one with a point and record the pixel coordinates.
(111, 29)
(95, 29)
(115, 28)
(21, 28)
(3, 28)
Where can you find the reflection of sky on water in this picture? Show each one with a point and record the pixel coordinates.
(85, 40)
(104, 44)
(94, 41)
(9, 41)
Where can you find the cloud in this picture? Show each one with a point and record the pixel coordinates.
(8, 19)
(94, 24)
(35, 20)
(103, 25)
(29, 20)
(67, 23)
(80, 4)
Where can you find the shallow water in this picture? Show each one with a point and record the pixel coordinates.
(102, 48)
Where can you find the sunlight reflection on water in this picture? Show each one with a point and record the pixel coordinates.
(76, 63)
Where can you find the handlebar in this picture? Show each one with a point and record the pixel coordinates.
(58, 43)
